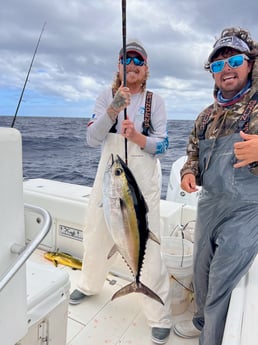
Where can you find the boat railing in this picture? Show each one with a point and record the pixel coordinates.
(24, 252)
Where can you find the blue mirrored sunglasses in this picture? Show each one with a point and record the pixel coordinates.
(137, 61)
(233, 62)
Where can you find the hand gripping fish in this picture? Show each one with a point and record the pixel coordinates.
(125, 212)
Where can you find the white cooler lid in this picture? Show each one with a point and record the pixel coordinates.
(47, 287)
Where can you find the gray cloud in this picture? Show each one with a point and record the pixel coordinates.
(77, 56)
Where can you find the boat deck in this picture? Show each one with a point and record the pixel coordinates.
(98, 320)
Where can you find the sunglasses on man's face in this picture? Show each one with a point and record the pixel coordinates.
(136, 60)
(234, 61)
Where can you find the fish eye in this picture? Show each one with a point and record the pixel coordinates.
(118, 172)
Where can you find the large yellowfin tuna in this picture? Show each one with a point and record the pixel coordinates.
(125, 212)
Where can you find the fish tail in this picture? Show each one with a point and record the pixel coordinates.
(137, 287)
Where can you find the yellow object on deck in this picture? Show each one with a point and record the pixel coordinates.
(64, 259)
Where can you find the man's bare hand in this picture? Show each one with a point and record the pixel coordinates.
(246, 151)
(188, 183)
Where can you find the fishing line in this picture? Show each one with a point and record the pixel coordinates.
(124, 59)
(23, 89)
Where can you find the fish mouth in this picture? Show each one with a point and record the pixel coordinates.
(111, 162)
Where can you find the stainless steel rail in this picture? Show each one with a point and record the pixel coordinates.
(24, 252)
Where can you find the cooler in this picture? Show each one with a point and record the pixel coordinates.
(47, 305)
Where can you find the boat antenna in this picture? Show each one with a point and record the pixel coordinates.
(23, 89)
(124, 59)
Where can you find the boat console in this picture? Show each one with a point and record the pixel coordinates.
(33, 297)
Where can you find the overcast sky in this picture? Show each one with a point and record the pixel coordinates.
(78, 51)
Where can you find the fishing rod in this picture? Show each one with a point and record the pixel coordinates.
(124, 59)
(18, 106)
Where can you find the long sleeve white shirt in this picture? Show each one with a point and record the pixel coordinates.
(100, 123)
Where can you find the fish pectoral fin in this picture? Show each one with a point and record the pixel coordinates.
(113, 250)
(122, 205)
(65, 254)
(124, 212)
(153, 237)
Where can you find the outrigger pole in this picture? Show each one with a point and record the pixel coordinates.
(124, 59)
(18, 106)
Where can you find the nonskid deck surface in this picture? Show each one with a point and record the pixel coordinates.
(98, 320)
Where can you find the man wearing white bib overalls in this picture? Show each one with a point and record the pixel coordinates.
(146, 140)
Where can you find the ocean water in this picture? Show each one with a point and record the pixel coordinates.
(55, 148)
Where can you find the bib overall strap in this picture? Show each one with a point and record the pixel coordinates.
(243, 123)
(113, 128)
(146, 125)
